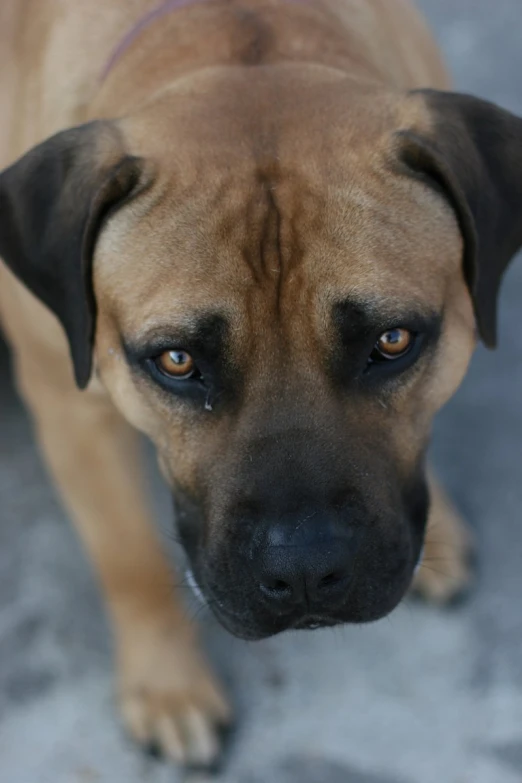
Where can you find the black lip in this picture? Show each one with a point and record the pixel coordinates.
(244, 628)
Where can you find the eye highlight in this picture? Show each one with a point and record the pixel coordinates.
(392, 344)
(176, 364)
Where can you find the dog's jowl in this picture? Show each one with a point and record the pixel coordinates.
(266, 235)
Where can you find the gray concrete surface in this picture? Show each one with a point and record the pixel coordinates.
(423, 697)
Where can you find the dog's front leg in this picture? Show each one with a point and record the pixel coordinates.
(167, 694)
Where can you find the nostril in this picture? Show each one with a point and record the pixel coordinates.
(331, 580)
(328, 580)
(276, 589)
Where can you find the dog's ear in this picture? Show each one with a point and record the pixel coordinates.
(53, 202)
(471, 150)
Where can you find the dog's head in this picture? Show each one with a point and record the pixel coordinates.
(279, 278)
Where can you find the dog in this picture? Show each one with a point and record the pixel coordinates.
(266, 234)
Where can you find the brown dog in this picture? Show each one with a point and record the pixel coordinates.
(270, 255)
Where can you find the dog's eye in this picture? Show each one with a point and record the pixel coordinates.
(392, 345)
(176, 364)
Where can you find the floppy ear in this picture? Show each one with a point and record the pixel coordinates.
(472, 151)
(53, 202)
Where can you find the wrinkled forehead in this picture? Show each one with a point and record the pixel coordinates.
(277, 242)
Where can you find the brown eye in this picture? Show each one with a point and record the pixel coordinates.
(392, 344)
(176, 364)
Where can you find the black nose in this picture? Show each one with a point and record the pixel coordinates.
(309, 573)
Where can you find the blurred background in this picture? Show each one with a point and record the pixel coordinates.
(427, 696)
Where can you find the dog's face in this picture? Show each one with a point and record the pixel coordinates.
(283, 309)
(284, 333)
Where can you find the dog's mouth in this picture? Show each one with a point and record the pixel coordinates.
(245, 628)
(254, 622)
(240, 624)
(314, 623)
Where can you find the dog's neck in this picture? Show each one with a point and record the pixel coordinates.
(148, 19)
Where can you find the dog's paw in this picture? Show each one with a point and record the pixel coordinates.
(443, 580)
(169, 699)
(446, 573)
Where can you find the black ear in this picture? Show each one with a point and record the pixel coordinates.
(472, 150)
(53, 202)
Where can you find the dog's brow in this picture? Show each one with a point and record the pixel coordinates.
(354, 317)
(203, 334)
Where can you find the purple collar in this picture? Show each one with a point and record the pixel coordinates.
(146, 21)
